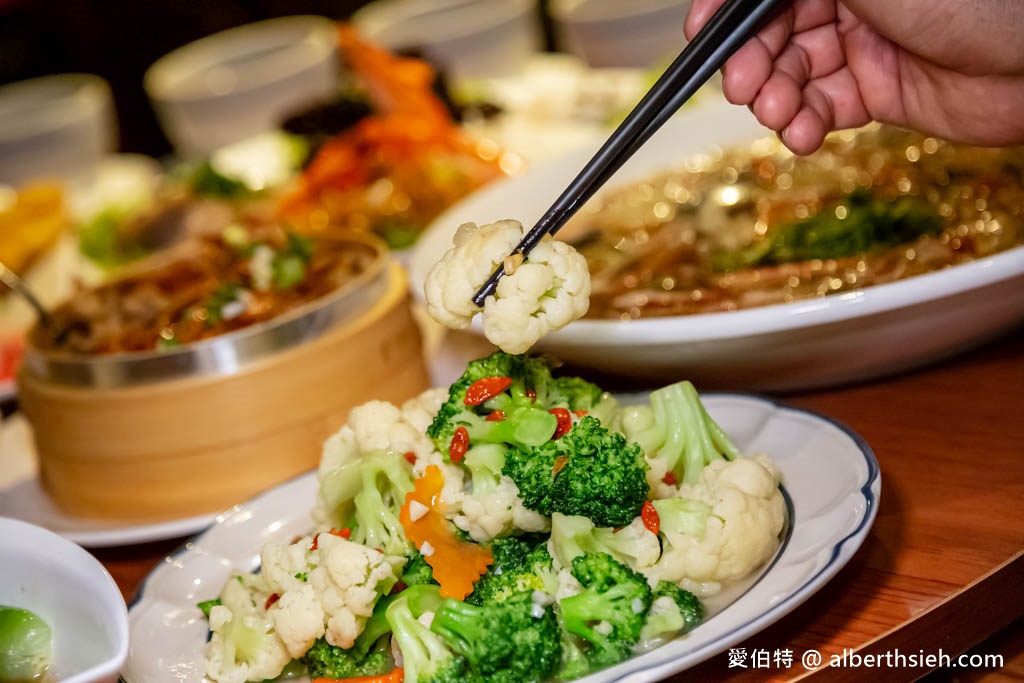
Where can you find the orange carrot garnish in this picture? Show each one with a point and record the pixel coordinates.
(457, 564)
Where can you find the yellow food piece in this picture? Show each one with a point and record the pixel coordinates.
(31, 225)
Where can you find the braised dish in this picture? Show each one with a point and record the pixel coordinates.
(210, 286)
(756, 225)
(186, 387)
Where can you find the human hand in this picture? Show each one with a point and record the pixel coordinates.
(944, 67)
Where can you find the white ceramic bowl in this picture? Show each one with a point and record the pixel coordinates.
(468, 38)
(66, 586)
(237, 83)
(811, 343)
(640, 34)
(55, 127)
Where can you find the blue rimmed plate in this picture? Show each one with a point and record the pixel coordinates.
(830, 477)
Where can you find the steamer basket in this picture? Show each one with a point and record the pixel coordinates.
(133, 437)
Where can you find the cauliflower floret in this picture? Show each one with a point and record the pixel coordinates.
(420, 411)
(329, 591)
(243, 643)
(742, 530)
(373, 427)
(381, 426)
(488, 516)
(348, 580)
(299, 619)
(453, 281)
(546, 293)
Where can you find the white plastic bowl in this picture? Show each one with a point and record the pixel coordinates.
(55, 127)
(639, 34)
(468, 38)
(237, 83)
(68, 588)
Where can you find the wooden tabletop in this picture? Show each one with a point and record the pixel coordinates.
(943, 566)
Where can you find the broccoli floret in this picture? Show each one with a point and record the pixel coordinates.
(324, 660)
(678, 429)
(572, 536)
(574, 663)
(609, 613)
(674, 611)
(521, 564)
(369, 656)
(530, 378)
(574, 393)
(514, 641)
(384, 478)
(417, 571)
(591, 471)
(426, 658)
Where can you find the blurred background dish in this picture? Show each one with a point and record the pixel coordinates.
(848, 336)
(235, 84)
(204, 421)
(55, 127)
(610, 33)
(72, 592)
(466, 38)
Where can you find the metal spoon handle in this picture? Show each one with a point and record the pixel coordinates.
(18, 286)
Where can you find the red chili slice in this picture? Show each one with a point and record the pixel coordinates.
(485, 388)
(669, 478)
(274, 597)
(410, 457)
(564, 422)
(341, 533)
(579, 413)
(650, 517)
(531, 394)
(496, 416)
(459, 445)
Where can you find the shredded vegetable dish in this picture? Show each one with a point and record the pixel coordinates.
(209, 286)
(516, 527)
(400, 163)
(756, 226)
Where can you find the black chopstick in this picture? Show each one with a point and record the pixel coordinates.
(735, 22)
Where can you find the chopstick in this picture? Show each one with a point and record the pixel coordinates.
(735, 22)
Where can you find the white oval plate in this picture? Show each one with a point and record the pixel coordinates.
(812, 343)
(829, 473)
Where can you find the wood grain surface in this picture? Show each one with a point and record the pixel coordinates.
(942, 566)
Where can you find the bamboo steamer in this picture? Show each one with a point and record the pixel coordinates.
(199, 443)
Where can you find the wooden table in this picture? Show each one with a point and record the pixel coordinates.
(943, 566)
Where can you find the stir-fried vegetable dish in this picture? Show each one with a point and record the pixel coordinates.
(516, 527)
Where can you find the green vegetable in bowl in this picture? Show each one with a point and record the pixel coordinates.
(860, 224)
(26, 645)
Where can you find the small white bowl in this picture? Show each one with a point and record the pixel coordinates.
(638, 34)
(55, 127)
(468, 38)
(237, 83)
(70, 590)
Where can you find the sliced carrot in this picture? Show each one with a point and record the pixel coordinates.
(457, 564)
(394, 676)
